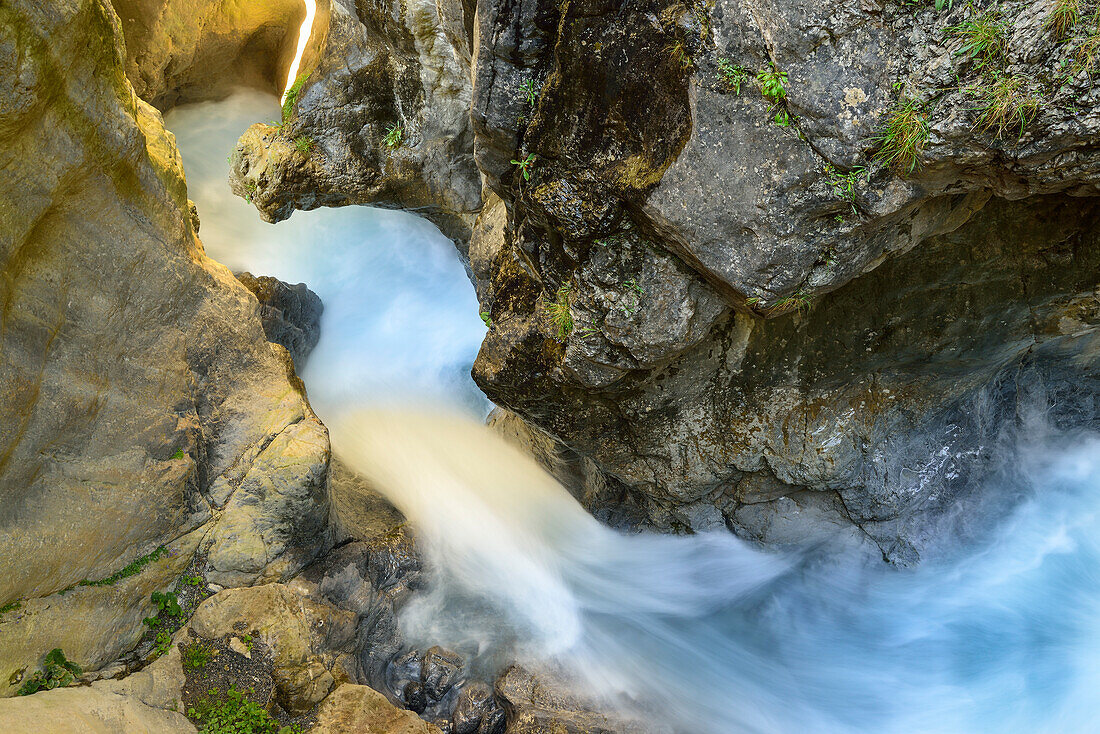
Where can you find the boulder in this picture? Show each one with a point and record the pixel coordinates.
(290, 314)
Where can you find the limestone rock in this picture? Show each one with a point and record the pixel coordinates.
(746, 298)
(304, 634)
(352, 709)
(138, 391)
(537, 704)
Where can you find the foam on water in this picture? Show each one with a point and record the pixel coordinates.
(701, 631)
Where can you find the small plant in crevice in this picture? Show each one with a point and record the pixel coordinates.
(525, 166)
(56, 672)
(844, 184)
(304, 144)
(195, 655)
(234, 713)
(250, 189)
(984, 37)
(798, 302)
(393, 136)
(679, 54)
(1006, 104)
(530, 92)
(906, 132)
(11, 606)
(773, 87)
(633, 300)
(560, 315)
(1063, 17)
(179, 454)
(487, 318)
(134, 567)
(290, 101)
(732, 75)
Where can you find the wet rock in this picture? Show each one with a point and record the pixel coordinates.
(415, 697)
(538, 704)
(440, 670)
(290, 314)
(476, 711)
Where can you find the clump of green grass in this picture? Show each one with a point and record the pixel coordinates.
(984, 37)
(1064, 17)
(393, 136)
(1089, 50)
(195, 655)
(560, 315)
(1006, 104)
(292, 94)
(234, 713)
(525, 166)
(57, 672)
(902, 140)
(304, 144)
(679, 54)
(732, 75)
(11, 606)
(634, 293)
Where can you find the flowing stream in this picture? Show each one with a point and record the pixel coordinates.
(701, 634)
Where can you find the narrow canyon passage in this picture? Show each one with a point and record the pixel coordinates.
(700, 632)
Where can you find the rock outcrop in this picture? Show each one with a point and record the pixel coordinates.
(290, 314)
(180, 51)
(718, 296)
(381, 117)
(141, 406)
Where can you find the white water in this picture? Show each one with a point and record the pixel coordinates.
(701, 631)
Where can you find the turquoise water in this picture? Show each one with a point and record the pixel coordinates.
(401, 323)
(702, 633)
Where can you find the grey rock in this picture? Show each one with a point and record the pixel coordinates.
(440, 670)
(290, 314)
(476, 711)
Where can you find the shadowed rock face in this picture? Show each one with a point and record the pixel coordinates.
(742, 325)
(180, 51)
(290, 314)
(140, 404)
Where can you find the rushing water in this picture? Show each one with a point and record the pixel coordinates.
(701, 632)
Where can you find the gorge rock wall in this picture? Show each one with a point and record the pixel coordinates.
(142, 406)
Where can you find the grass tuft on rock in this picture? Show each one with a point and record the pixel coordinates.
(559, 313)
(1006, 104)
(291, 99)
(984, 37)
(1064, 17)
(901, 142)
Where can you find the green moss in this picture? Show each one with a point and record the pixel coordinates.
(195, 655)
(11, 606)
(133, 569)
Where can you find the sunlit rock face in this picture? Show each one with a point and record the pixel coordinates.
(141, 403)
(380, 116)
(180, 51)
(764, 326)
